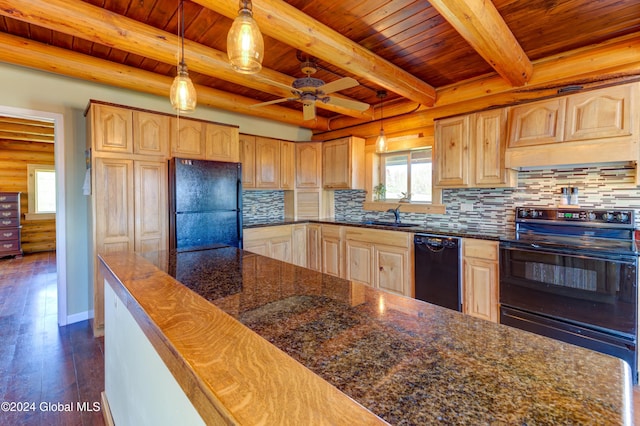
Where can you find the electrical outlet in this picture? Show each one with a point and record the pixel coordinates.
(466, 207)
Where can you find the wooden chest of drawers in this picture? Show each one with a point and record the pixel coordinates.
(10, 224)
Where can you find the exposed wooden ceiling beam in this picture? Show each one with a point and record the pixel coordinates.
(480, 23)
(98, 25)
(615, 59)
(284, 22)
(19, 51)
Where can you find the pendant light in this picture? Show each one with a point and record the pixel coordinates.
(183, 94)
(381, 142)
(245, 46)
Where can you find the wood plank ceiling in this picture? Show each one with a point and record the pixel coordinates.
(423, 53)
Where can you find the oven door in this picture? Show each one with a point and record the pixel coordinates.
(587, 289)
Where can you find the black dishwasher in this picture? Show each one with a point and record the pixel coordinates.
(437, 270)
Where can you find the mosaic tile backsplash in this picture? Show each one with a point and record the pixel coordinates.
(603, 187)
(600, 187)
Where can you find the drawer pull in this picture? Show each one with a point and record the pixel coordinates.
(6, 206)
(7, 245)
(6, 214)
(6, 222)
(3, 198)
(8, 234)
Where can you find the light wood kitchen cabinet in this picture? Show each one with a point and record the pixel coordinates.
(270, 241)
(221, 143)
(596, 126)
(248, 160)
(381, 259)
(151, 133)
(189, 141)
(392, 268)
(113, 205)
(470, 151)
(489, 143)
(314, 246)
(287, 165)
(111, 128)
(537, 123)
(343, 163)
(598, 114)
(359, 262)
(452, 151)
(309, 165)
(267, 163)
(332, 250)
(150, 206)
(480, 282)
(299, 245)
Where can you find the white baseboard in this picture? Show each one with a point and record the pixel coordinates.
(80, 316)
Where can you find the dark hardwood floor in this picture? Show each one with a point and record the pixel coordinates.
(54, 375)
(46, 367)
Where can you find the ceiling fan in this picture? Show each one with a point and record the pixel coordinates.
(310, 90)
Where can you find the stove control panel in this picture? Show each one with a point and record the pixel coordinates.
(617, 217)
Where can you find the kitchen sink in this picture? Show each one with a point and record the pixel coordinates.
(389, 223)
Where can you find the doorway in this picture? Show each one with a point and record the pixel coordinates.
(60, 223)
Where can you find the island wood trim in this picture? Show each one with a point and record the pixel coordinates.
(223, 367)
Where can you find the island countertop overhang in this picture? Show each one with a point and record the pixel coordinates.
(451, 361)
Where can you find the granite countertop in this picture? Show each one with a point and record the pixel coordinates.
(407, 361)
(478, 233)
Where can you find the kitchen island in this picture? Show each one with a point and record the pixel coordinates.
(251, 340)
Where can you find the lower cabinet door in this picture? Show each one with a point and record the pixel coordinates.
(481, 288)
(359, 262)
(391, 269)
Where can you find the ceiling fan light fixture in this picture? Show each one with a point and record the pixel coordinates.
(183, 94)
(381, 142)
(245, 46)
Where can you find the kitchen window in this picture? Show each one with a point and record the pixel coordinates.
(407, 172)
(41, 183)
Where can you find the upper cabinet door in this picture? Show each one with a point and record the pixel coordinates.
(221, 143)
(248, 159)
(598, 114)
(267, 163)
(309, 165)
(287, 165)
(189, 140)
(112, 128)
(151, 133)
(537, 123)
(452, 151)
(490, 139)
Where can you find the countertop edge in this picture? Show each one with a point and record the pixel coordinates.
(419, 229)
(208, 383)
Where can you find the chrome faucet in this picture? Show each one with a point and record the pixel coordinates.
(396, 213)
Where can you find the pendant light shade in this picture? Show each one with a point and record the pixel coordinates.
(381, 142)
(245, 46)
(183, 94)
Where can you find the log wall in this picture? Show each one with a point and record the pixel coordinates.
(16, 151)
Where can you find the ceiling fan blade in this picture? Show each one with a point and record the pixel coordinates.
(335, 86)
(347, 103)
(308, 110)
(272, 102)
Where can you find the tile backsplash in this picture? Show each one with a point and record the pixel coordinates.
(600, 187)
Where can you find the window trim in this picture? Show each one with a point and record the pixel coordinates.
(31, 192)
(408, 153)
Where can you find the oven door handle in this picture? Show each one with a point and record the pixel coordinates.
(535, 248)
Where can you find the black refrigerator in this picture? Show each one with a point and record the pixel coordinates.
(205, 204)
